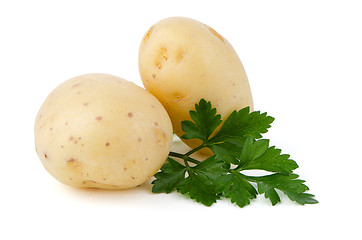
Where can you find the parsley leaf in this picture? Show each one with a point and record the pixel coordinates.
(289, 184)
(236, 147)
(212, 168)
(199, 183)
(236, 128)
(198, 187)
(226, 151)
(205, 122)
(171, 173)
(235, 187)
(241, 124)
(256, 154)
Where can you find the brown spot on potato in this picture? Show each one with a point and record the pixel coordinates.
(107, 144)
(95, 184)
(130, 114)
(153, 76)
(180, 53)
(45, 155)
(61, 146)
(176, 97)
(161, 58)
(66, 123)
(88, 181)
(148, 34)
(160, 136)
(132, 177)
(73, 163)
(71, 138)
(85, 104)
(99, 118)
(76, 85)
(152, 106)
(146, 159)
(163, 52)
(125, 169)
(155, 123)
(216, 34)
(139, 139)
(158, 65)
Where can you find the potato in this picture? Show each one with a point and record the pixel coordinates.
(182, 60)
(101, 131)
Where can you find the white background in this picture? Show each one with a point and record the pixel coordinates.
(304, 63)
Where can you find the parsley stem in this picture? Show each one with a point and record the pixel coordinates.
(193, 160)
(184, 157)
(175, 154)
(195, 150)
(186, 164)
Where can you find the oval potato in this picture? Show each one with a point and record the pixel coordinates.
(101, 131)
(182, 60)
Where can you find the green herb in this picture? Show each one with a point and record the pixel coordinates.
(237, 146)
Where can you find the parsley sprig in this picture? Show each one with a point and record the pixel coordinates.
(237, 146)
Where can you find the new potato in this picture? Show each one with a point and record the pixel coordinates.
(101, 131)
(182, 60)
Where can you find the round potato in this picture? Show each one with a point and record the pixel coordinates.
(101, 131)
(182, 60)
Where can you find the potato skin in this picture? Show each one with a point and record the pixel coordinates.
(182, 60)
(101, 131)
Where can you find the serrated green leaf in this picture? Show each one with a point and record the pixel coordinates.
(211, 168)
(256, 154)
(171, 173)
(199, 188)
(199, 185)
(235, 187)
(252, 150)
(243, 123)
(289, 184)
(171, 166)
(227, 152)
(205, 121)
(191, 130)
(301, 198)
(269, 193)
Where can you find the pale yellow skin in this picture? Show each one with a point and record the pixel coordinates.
(182, 60)
(101, 131)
